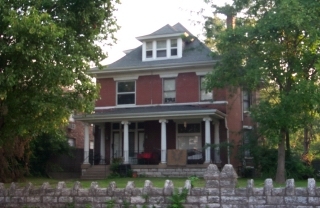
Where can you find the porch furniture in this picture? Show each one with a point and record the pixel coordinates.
(194, 156)
(144, 157)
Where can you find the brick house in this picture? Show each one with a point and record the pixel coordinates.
(153, 108)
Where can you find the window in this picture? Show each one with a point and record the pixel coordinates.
(189, 136)
(161, 48)
(126, 93)
(91, 145)
(246, 100)
(204, 95)
(71, 142)
(169, 90)
(149, 49)
(174, 47)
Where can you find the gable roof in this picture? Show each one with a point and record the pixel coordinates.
(167, 30)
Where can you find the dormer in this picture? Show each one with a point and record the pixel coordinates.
(165, 43)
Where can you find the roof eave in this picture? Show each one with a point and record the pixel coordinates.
(94, 118)
(97, 71)
(153, 37)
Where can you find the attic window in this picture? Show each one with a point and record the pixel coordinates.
(161, 48)
(149, 49)
(174, 47)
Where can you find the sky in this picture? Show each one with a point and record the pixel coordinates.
(142, 17)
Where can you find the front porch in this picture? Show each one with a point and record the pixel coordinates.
(164, 136)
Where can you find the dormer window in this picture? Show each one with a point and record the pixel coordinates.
(149, 49)
(162, 49)
(174, 47)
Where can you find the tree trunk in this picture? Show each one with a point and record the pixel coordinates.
(281, 170)
(306, 141)
(288, 143)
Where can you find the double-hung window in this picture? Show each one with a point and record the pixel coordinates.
(174, 47)
(169, 90)
(161, 48)
(126, 92)
(149, 49)
(204, 94)
(246, 100)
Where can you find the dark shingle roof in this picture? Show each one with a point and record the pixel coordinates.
(167, 30)
(192, 53)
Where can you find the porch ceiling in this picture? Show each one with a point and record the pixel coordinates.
(151, 113)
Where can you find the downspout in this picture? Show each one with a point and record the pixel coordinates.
(228, 148)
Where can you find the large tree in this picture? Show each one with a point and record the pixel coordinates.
(46, 48)
(274, 49)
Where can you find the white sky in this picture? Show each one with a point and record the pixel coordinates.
(141, 17)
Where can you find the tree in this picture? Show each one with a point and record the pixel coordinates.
(46, 48)
(275, 50)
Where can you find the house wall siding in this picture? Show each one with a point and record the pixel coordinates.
(149, 90)
(107, 92)
(187, 88)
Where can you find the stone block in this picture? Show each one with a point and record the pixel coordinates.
(275, 200)
(234, 200)
(212, 184)
(210, 205)
(290, 187)
(49, 199)
(241, 191)
(192, 199)
(65, 199)
(212, 173)
(137, 200)
(314, 200)
(301, 191)
(213, 191)
(227, 191)
(296, 200)
(311, 187)
(213, 199)
(278, 191)
(156, 199)
(257, 200)
(33, 199)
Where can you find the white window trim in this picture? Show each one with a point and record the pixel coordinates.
(135, 93)
(175, 89)
(200, 90)
(168, 48)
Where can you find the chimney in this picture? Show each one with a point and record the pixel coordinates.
(231, 21)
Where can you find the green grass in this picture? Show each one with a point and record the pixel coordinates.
(139, 182)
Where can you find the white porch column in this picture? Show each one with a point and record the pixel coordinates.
(126, 141)
(86, 144)
(102, 144)
(207, 139)
(216, 142)
(163, 140)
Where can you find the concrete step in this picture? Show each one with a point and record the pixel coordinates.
(96, 172)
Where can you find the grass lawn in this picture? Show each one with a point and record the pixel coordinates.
(139, 182)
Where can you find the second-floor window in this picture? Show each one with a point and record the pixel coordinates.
(149, 49)
(126, 93)
(174, 47)
(169, 90)
(204, 95)
(246, 100)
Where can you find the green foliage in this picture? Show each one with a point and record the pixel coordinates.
(178, 198)
(45, 147)
(46, 49)
(70, 205)
(110, 204)
(275, 50)
(193, 179)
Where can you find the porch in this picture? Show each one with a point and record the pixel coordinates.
(167, 136)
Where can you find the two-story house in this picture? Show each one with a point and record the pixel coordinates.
(154, 110)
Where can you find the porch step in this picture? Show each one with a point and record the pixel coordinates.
(96, 172)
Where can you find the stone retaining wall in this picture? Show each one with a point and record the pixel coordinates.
(219, 191)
